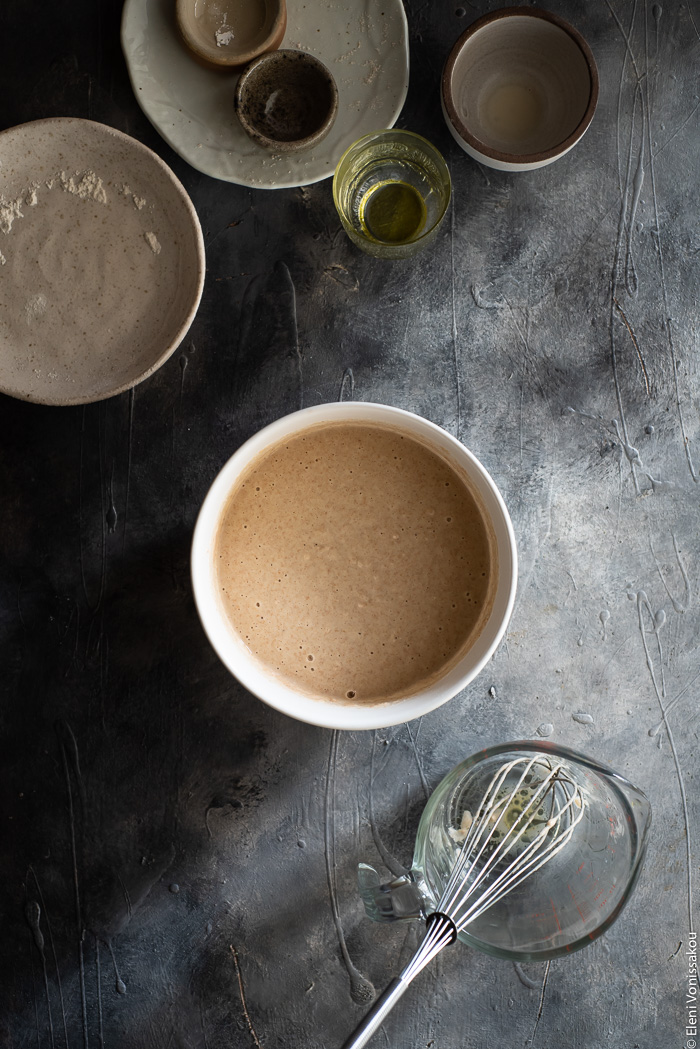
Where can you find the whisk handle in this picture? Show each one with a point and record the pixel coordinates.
(440, 931)
(383, 1005)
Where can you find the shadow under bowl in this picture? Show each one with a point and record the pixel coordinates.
(229, 41)
(519, 89)
(286, 100)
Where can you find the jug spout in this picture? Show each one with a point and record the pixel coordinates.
(392, 901)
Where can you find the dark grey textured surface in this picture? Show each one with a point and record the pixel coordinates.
(155, 817)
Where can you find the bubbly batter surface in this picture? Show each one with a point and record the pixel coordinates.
(355, 562)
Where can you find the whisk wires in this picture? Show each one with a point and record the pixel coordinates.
(527, 841)
(441, 932)
(514, 832)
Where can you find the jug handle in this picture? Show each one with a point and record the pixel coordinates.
(392, 901)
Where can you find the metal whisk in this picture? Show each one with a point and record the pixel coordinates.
(515, 831)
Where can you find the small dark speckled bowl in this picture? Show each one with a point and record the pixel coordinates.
(286, 100)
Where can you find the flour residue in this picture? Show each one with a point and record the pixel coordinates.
(138, 202)
(374, 70)
(9, 211)
(224, 35)
(35, 307)
(86, 185)
(153, 243)
(89, 186)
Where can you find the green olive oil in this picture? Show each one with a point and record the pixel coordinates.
(392, 212)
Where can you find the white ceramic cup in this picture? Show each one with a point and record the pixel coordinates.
(251, 672)
(519, 89)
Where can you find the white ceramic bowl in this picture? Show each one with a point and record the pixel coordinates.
(251, 672)
(519, 89)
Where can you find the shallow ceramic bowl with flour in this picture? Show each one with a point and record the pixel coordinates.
(263, 682)
(101, 261)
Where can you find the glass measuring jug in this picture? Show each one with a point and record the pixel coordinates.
(560, 907)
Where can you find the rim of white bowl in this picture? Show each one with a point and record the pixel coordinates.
(232, 651)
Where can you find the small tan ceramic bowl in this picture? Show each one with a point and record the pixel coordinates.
(286, 101)
(519, 89)
(226, 34)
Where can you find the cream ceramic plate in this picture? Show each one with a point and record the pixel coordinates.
(101, 261)
(364, 43)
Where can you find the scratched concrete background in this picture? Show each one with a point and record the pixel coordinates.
(178, 861)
